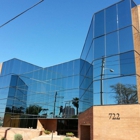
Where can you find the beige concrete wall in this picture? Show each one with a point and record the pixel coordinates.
(49, 124)
(136, 38)
(27, 134)
(135, 17)
(106, 128)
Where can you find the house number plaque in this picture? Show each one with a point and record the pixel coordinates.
(114, 116)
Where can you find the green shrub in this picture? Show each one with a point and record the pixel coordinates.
(47, 132)
(70, 134)
(66, 139)
(18, 137)
(3, 138)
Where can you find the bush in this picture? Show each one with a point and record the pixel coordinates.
(18, 137)
(3, 138)
(66, 139)
(47, 132)
(70, 134)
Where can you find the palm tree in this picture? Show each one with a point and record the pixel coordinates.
(75, 102)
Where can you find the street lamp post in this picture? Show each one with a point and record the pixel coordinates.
(101, 80)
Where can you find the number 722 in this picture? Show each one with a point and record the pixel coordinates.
(114, 116)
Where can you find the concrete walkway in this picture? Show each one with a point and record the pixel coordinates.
(47, 137)
(55, 137)
(29, 134)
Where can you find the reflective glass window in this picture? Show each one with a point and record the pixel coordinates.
(13, 80)
(90, 72)
(121, 91)
(16, 66)
(127, 63)
(76, 66)
(4, 93)
(112, 66)
(6, 80)
(65, 70)
(54, 71)
(109, 92)
(112, 44)
(90, 54)
(76, 82)
(8, 68)
(30, 67)
(88, 42)
(126, 39)
(70, 68)
(69, 82)
(96, 93)
(59, 71)
(97, 69)
(99, 47)
(111, 19)
(11, 92)
(84, 68)
(124, 14)
(99, 24)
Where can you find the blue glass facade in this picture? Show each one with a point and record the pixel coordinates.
(105, 74)
(110, 50)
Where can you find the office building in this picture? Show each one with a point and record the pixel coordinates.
(96, 96)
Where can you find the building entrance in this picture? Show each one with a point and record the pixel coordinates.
(85, 132)
(67, 125)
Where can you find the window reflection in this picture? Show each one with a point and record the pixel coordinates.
(99, 24)
(112, 66)
(96, 93)
(112, 44)
(127, 63)
(111, 19)
(126, 39)
(124, 14)
(120, 91)
(99, 47)
(88, 42)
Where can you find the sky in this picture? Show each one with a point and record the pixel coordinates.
(51, 33)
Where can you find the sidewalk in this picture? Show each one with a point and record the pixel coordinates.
(29, 134)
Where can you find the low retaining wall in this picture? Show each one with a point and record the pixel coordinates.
(27, 134)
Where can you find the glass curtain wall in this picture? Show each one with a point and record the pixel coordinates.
(109, 50)
(12, 99)
(51, 92)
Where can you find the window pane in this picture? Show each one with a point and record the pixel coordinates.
(90, 54)
(99, 24)
(126, 39)
(112, 44)
(112, 67)
(97, 69)
(88, 42)
(111, 19)
(96, 93)
(124, 14)
(127, 63)
(99, 47)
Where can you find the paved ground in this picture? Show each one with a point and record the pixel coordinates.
(29, 134)
(46, 137)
